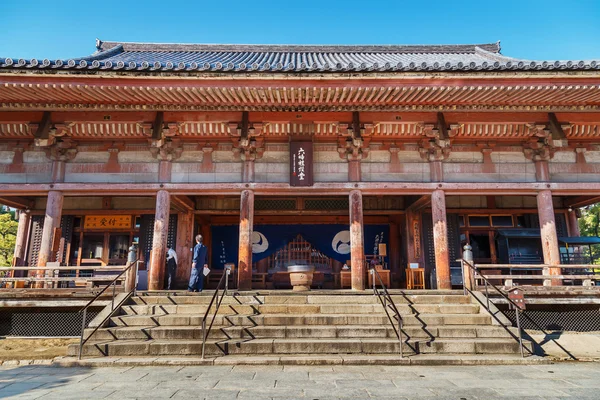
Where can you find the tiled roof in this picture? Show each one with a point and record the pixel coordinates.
(149, 57)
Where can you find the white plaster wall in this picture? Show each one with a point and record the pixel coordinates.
(564, 157)
(410, 172)
(6, 157)
(331, 172)
(508, 157)
(220, 173)
(34, 157)
(91, 157)
(136, 157)
(190, 157)
(465, 157)
(592, 156)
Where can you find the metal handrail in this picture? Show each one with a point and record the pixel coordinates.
(205, 332)
(387, 302)
(510, 301)
(112, 307)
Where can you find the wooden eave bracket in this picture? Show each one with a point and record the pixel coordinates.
(544, 140)
(247, 139)
(63, 150)
(354, 139)
(436, 145)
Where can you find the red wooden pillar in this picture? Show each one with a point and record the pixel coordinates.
(440, 239)
(542, 171)
(159, 241)
(51, 222)
(357, 253)
(164, 171)
(21, 239)
(185, 234)
(354, 172)
(548, 233)
(245, 243)
(573, 224)
(248, 170)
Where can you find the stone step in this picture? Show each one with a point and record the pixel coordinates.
(317, 332)
(299, 319)
(233, 309)
(359, 319)
(296, 346)
(409, 297)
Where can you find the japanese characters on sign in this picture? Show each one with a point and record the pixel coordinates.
(107, 222)
(301, 168)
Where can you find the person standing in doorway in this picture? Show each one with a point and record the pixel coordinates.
(198, 263)
(171, 268)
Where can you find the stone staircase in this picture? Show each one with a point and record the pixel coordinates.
(318, 323)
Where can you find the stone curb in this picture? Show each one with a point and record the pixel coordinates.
(283, 360)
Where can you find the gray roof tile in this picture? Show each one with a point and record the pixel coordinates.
(154, 57)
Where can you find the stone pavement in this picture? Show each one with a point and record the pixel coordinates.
(555, 381)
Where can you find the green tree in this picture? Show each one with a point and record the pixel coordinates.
(8, 237)
(589, 225)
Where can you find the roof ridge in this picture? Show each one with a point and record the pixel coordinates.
(395, 48)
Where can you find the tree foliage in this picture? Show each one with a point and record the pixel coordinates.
(589, 225)
(8, 237)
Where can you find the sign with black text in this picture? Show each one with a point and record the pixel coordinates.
(301, 163)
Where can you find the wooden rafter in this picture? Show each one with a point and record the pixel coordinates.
(582, 201)
(17, 202)
(182, 203)
(420, 203)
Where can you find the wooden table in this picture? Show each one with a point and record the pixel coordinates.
(385, 277)
(345, 279)
(415, 278)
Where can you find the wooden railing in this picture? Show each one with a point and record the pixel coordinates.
(531, 274)
(53, 277)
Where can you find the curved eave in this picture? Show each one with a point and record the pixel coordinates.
(91, 63)
(263, 96)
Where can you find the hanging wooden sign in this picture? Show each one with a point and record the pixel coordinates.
(107, 222)
(301, 163)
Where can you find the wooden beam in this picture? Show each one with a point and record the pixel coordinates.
(17, 202)
(582, 201)
(420, 203)
(356, 124)
(441, 126)
(183, 203)
(43, 130)
(245, 125)
(555, 128)
(157, 126)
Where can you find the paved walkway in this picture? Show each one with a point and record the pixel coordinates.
(559, 381)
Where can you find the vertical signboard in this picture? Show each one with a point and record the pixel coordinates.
(301, 163)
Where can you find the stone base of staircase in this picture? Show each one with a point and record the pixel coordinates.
(320, 327)
(303, 359)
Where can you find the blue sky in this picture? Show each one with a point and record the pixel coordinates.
(550, 29)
